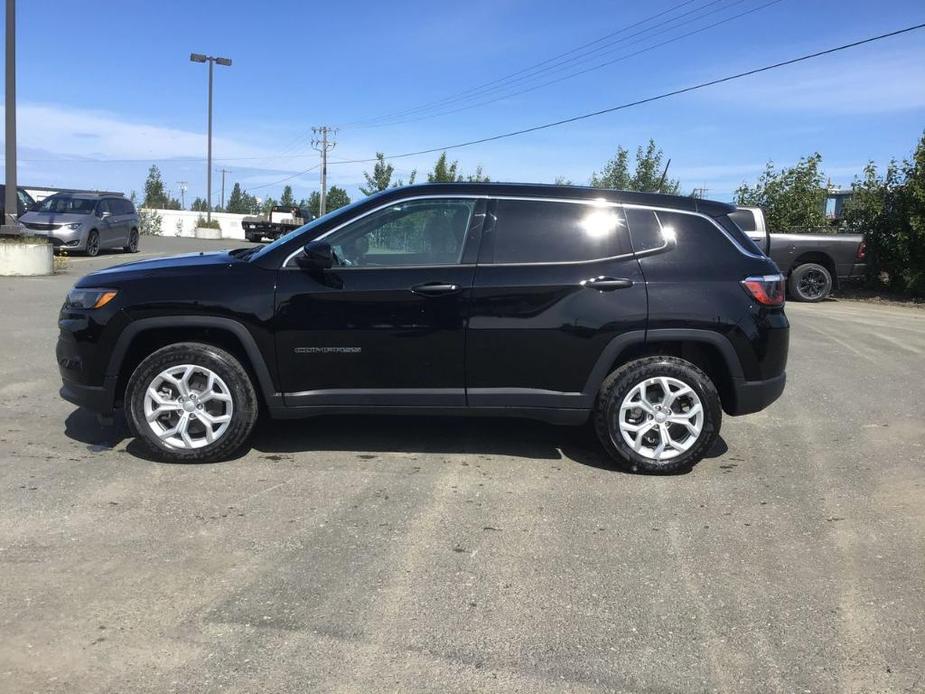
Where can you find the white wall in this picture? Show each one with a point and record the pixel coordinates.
(231, 223)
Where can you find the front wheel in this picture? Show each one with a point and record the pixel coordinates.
(93, 243)
(191, 402)
(810, 282)
(658, 414)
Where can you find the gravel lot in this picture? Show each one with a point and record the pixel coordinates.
(380, 554)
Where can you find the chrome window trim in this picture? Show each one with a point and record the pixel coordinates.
(461, 196)
(597, 202)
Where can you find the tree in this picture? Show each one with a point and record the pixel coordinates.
(790, 197)
(890, 211)
(478, 176)
(381, 178)
(563, 181)
(444, 172)
(199, 205)
(155, 195)
(646, 177)
(267, 206)
(237, 202)
(286, 199)
(337, 197)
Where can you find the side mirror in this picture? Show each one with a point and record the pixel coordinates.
(316, 255)
(104, 215)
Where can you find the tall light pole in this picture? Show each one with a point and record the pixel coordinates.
(11, 198)
(200, 58)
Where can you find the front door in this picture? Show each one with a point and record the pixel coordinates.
(556, 282)
(386, 324)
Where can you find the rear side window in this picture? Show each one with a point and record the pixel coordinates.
(538, 231)
(645, 229)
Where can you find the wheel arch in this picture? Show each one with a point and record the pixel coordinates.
(142, 337)
(710, 351)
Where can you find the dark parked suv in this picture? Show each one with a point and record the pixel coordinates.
(652, 314)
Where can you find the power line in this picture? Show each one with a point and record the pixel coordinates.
(588, 69)
(288, 178)
(504, 78)
(650, 99)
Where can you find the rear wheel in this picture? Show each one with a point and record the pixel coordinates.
(93, 243)
(191, 402)
(132, 245)
(810, 282)
(658, 414)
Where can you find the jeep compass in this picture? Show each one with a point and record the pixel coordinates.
(652, 315)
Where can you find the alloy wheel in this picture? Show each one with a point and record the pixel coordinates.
(660, 418)
(188, 406)
(812, 284)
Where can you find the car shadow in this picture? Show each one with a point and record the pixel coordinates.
(520, 438)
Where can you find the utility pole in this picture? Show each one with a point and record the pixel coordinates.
(200, 58)
(323, 145)
(223, 172)
(183, 186)
(11, 201)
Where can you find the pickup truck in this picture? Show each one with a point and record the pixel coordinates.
(280, 221)
(814, 264)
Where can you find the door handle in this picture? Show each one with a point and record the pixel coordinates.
(607, 284)
(435, 289)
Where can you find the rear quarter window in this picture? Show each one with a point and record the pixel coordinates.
(539, 231)
(699, 244)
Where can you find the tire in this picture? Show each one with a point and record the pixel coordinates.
(233, 407)
(630, 381)
(810, 282)
(252, 238)
(92, 248)
(132, 246)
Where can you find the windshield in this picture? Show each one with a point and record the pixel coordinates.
(269, 248)
(67, 205)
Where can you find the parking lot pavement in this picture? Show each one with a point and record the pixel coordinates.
(370, 554)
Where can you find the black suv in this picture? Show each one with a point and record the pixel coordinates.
(652, 314)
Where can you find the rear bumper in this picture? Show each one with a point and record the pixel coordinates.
(752, 396)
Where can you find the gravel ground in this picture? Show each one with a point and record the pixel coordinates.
(406, 554)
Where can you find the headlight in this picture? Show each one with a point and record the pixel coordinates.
(75, 225)
(89, 298)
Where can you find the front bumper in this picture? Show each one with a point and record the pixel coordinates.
(753, 396)
(63, 238)
(98, 399)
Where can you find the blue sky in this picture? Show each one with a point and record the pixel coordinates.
(112, 81)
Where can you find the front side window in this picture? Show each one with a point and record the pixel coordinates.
(539, 231)
(415, 232)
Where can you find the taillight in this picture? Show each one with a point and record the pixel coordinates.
(862, 250)
(767, 290)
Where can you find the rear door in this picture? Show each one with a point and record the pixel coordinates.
(556, 282)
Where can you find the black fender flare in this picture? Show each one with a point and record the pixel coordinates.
(621, 343)
(257, 360)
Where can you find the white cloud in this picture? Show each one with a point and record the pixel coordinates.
(69, 132)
